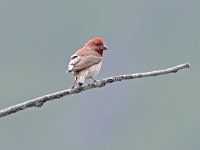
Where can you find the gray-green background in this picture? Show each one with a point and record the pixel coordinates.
(37, 37)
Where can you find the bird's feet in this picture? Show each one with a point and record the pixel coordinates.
(80, 84)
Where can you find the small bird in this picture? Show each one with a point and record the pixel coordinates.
(86, 62)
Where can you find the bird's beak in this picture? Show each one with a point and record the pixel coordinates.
(104, 47)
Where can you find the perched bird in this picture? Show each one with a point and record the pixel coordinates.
(86, 62)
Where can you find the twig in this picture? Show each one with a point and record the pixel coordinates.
(38, 102)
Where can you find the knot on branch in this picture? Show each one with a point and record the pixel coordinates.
(39, 103)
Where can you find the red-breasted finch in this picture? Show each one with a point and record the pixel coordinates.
(86, 62)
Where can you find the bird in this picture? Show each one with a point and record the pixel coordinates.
(86, 62)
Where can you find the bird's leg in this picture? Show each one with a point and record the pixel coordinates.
(74, 82)
(93, 79)
(73, 85)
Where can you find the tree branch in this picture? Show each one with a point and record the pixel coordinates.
(38, 102)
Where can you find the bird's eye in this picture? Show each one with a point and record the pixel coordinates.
(97, 44)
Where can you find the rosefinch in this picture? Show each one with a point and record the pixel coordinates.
(86, 62)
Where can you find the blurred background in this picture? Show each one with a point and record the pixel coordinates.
(37, 37)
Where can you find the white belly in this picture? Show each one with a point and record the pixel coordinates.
(93, 70)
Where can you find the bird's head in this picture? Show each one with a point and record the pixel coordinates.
(97, 44)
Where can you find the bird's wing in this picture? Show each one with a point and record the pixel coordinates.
(81, 62)
(74, 60)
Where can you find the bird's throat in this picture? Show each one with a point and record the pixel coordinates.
(100, 51)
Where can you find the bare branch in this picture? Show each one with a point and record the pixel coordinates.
(38, 102)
